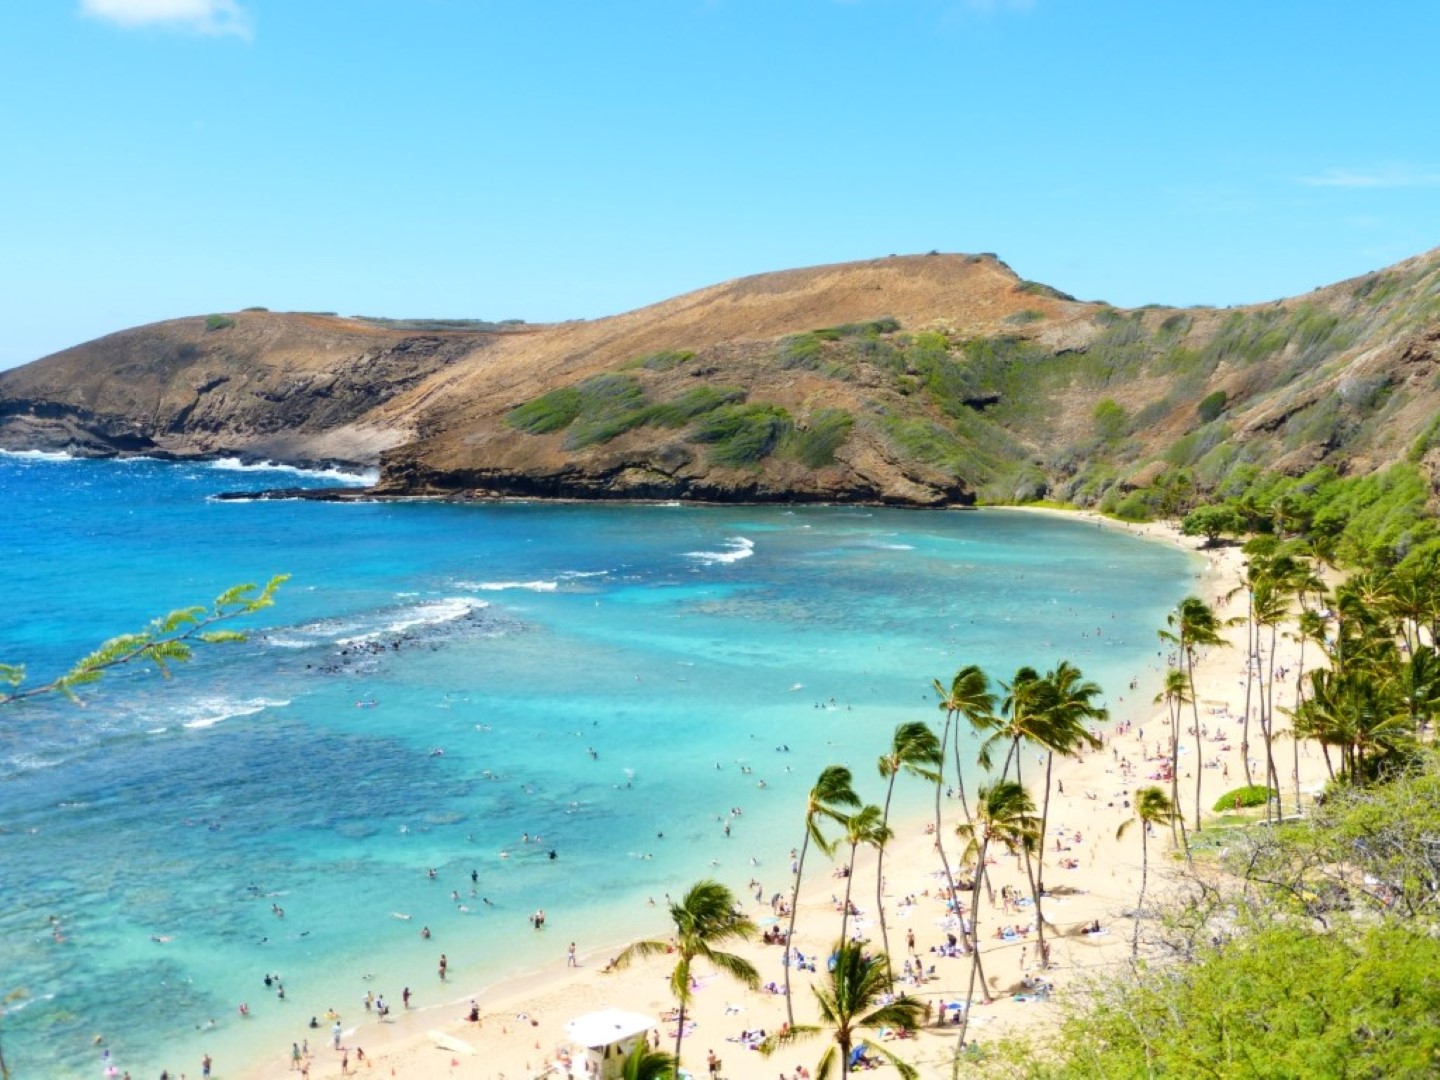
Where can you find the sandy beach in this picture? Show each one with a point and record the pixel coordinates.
(1094, 877)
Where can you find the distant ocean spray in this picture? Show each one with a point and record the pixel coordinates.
(550, 706)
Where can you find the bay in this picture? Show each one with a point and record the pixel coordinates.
(463, 689)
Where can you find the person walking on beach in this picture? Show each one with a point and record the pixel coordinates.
(335, 1033)
(294, 1056)
(205, 1067)
(570, 956)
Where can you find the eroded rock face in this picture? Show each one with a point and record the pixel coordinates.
(296, 388)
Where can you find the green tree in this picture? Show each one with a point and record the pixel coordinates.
(1212, 522)
(865, 826)
(852, 999)
(642, 1063)
(829, 800)
(705, 920)
(913, 749)
(1193, 625)
(168, 640)
(968, 695)
(1067, 707)
(1152, 807)
(1004, 815)
(1175, 695)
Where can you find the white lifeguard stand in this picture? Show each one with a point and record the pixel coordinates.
(608, 1035)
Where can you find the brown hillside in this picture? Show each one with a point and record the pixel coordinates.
(919, 380)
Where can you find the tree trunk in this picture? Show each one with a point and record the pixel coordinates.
(849, 881)
(1268, 690)
(1199, 746)
(1249, 678)
(1040, 862)
(880, 881)
(1144, 874)
(974, 944)
(939, 824)
(790, 935)
(680, 1031)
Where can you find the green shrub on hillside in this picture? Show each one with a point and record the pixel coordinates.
(741, 436)
(873, 328)
(1211, 406)
(816, 443)
(692, 403)
(610, 405)
(1244, 798)
(803, 352)
(218, 322)
(659, 361)
(1110, 419)
(553, 411)
(1025, 317)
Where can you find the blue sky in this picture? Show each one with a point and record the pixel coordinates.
(549, 160)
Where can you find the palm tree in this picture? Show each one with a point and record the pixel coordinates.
(914, 749)
(862, 827)
(1195, 625)
(1152, 805)
(1066, 707)
(828, 800)
(1004, 815)
(968, 695)
(1175, 695)
(705, 919)
(642, 1063)
(850, 1001)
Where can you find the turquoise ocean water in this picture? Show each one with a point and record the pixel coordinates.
(435, 683)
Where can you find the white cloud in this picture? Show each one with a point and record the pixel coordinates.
(1388, 176)
(201, 16)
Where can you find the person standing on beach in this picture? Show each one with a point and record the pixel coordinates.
(570, 956)
(335, 1033)
(205, 1067)
(444, 963)
(294, 1056)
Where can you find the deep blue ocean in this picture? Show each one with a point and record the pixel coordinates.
(463, 688)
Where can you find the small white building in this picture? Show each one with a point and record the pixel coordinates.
(607, 1036)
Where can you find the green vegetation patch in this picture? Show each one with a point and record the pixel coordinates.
(1244, 798)
(816, 443)
(218, 322)
(553, 411)
(741, 436)
(665, 360)
(692, 403)
(1025, 317)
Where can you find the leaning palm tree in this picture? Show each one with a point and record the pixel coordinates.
(642, 1063)
(1152, 806)
(913, 749)
(828, 800)
(865, 826)
(1174, 696)
(1194, 624)
(1067, 706)
(705, 919)
(968, 695)
(853, 999)
(1004, 815)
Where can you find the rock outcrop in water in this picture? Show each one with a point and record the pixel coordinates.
(920, 381)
